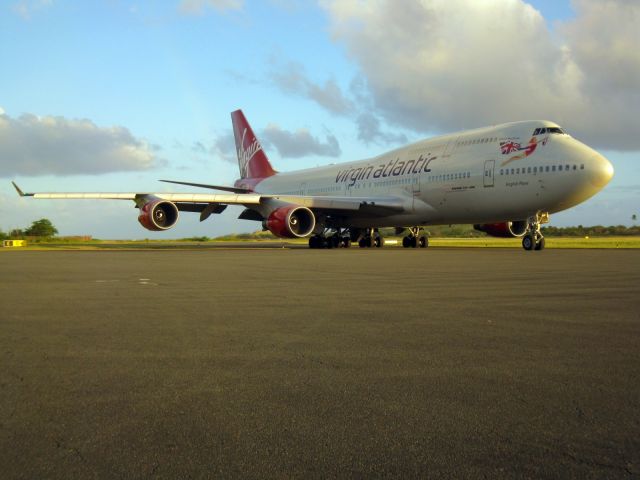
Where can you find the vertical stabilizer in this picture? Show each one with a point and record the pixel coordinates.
(252, 160)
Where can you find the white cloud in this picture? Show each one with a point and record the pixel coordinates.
(224, 148)
(198, 7)
(450, 64)
(369, 131)
(300, 143)
(26, 8)
(31, 145)
(293, 79)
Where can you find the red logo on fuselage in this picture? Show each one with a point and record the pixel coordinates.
(509, 146)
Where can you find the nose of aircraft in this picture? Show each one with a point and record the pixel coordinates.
(601, 171)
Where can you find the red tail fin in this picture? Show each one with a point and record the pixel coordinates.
(252, 160)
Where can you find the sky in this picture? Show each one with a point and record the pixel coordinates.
(114, 95)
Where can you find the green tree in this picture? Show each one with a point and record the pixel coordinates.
(3, 236)
(41, 228)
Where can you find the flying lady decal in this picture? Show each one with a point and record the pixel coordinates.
(510, 145)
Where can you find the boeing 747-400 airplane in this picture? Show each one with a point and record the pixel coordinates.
(505, 179)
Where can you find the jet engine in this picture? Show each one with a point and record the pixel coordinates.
(291, 221)
(158, 215)
(504, 229)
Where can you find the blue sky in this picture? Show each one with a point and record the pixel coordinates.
(114, 95)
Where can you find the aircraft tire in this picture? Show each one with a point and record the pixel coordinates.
(540, 244)
(423, 241)
(527, 242)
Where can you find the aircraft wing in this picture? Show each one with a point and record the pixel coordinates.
(199, 201)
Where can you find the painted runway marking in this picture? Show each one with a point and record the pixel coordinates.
(140, 281)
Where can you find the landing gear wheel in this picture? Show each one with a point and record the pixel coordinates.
(414, 239)
(318, 241)
(379, 242)
(533, 239)
(365, 242)
(409, 241)
(346, 242)
(528, 242)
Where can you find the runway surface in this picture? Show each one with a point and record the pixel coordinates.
(279, 363)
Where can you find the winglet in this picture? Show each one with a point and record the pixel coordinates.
(20, 192)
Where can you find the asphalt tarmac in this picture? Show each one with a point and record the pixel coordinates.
(291, 363)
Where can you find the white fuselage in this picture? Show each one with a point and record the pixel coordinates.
(493, 174)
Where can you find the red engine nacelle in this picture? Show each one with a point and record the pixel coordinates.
(158, 215)
(504, 229)
(291, 222)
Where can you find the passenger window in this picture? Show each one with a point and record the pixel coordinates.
(582, 166)
(574, 167)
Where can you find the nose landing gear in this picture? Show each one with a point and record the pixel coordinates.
(533, 239)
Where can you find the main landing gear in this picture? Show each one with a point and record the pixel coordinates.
(371, 238)
(415, 239)
(337, 239)
(533, 239)
(366, 238)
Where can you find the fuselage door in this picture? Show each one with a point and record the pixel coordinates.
(415, 184)
(488, 173)
(449, 147)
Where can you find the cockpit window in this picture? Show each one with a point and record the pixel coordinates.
(543, 130)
